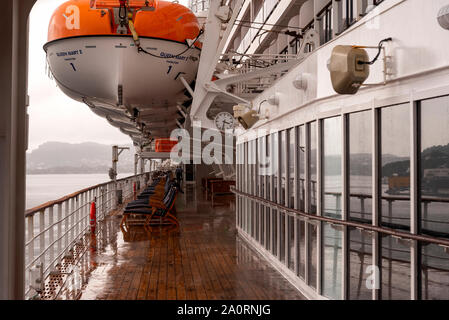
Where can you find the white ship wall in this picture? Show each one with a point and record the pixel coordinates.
(420, 59)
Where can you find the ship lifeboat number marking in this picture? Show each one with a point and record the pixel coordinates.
(72, 17)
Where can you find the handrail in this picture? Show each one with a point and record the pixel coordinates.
(388, 231)
(51, 203)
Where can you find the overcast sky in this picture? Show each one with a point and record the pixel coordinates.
(53, 115)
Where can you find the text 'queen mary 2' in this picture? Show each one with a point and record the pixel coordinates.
(123, 58)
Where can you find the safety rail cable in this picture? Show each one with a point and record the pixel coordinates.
(367, 227)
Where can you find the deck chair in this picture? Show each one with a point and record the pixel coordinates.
(146, 208)
(162, 211)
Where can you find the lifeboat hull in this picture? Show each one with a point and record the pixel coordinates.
(109, 69)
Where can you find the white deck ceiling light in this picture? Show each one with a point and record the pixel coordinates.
(443, 17)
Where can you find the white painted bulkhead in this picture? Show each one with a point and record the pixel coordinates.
(419, 63)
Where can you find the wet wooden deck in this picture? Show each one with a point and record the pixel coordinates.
(204, 260)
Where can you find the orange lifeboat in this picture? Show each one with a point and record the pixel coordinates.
(125, 55)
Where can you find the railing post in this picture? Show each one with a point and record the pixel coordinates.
(42, 235)
(59, 233)
(77, 217)
(67, 224)
(72, 221)
(30, 220)
(51, 235)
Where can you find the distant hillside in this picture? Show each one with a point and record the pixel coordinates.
(88, 157)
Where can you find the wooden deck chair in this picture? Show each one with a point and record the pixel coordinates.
(162, 211)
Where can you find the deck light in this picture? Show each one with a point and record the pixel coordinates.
(443, 17)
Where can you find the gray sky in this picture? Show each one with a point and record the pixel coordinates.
(53, 115)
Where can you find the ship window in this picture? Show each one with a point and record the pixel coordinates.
(291, 196)
(348, 13)
(360, 257)
(434, 195)
(251, 180)
(395, 167)
(283, 216)
(332, 176)
(245, 183)
(261, 177)
(291, 167)
(332, 257)
(283, 166)
(435, 272)
(274, 176)
(395, 269)
(434, 163)
(360, 166)
(268, 194)
(332, 191)
(325, 18)
(301, 149)
(313, 168)
(313, 255)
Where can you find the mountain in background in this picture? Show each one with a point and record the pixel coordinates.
(87, 157)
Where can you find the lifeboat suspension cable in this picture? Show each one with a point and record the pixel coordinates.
(140, 49)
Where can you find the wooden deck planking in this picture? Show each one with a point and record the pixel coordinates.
(204, 260)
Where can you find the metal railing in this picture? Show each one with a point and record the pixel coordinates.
(349, 223)
(53, 228)
(240, 64)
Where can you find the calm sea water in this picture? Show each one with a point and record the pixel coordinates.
(46, 187)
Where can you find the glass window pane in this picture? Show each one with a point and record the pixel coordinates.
(301, 248)
(360, 257)
(274, 176)
(395, 166)
(395, 269)
(291, 242)
(282, 159)
(269, 193)
(360, 166)
(261, 171)
(302, 177)
(291, 165)
(313, 168)
(332, 261)
(332, 178)
(313, 255)
(435, 166)
(435, 272)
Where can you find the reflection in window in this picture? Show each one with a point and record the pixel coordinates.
(395, 166)
(332, 178)
(291, 166)
(360, 166)
(435, 272)
(245, 185)
(282, 159)
(395, 269)
(261, 170)
(301, 248)
(313, 169)
(313, 255)
(291, 242)
(360, 257)
(283, 178)
(302, 177)
(435, 166)
(274, 213)
(332, 261)
(268, 195)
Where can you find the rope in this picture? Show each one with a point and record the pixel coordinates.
(140, 49)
